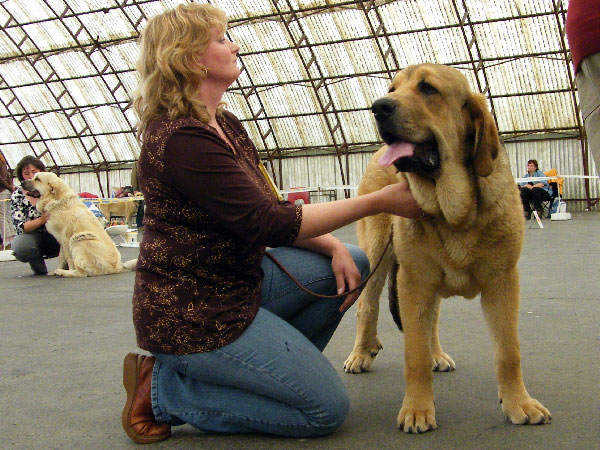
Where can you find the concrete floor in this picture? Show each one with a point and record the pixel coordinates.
(64, 342)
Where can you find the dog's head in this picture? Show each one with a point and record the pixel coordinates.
(46, 184)
(431, 117)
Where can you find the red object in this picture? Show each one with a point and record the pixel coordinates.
(304, 196)
(87, 195)
(583, 29)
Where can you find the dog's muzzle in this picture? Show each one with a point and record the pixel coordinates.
(422, 158)
(28, 186)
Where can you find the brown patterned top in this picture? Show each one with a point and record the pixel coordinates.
(209, 215)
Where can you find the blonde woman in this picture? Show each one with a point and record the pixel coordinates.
(236, 345)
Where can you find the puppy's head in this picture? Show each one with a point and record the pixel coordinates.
(430, 117)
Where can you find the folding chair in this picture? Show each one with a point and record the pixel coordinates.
(557, 191)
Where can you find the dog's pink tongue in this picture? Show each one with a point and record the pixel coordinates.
(396, 151)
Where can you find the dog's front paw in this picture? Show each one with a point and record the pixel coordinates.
(525, 410)
(362, 357)
(442, 362)
(416, 417)
(59, 273)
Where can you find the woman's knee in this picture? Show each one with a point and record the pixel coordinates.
(333, 416)
(24, 248)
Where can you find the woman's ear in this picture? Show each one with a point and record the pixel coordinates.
(487, 141)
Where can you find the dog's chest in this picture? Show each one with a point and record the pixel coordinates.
(449, 256)
(454, 249)
(55, 227)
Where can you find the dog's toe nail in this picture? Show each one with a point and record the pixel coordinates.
(500, 401)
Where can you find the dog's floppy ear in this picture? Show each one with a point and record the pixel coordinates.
(53, 184)
(486, 143)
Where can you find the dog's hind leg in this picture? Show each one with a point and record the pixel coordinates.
(367, 344)
(442, 362)
(500, 303)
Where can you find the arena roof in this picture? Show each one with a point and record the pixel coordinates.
(310, 71)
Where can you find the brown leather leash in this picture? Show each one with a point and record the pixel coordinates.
(308, 291)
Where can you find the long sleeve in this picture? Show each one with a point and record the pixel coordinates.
(203, 168)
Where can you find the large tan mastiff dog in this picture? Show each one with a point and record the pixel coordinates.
(123, 208)
(442, 140)
(85, 248)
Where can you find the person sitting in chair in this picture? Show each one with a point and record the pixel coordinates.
(534, 191)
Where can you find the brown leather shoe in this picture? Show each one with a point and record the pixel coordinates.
(138, 419)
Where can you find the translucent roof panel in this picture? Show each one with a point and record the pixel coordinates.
(310, 70)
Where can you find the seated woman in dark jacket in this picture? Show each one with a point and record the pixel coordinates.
(534, 191)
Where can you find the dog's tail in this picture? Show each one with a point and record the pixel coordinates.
(129, 265)
(83, 236)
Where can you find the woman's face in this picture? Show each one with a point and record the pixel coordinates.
(29, 171)
(220, 58)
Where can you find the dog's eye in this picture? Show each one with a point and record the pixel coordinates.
(427, 89)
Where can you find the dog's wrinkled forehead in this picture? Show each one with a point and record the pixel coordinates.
(428, 78)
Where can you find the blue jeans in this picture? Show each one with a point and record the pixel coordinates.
(273, 378)
(33, 247)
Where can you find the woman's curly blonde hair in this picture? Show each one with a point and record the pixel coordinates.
(170, 74)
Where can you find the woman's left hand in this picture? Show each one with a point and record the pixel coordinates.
(346, 275)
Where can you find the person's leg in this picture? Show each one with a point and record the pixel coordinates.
(270, 380)
(7, 229)
(538, 195)
(49, 246)
(139, 218)
(315, 317)
(588, 85)
(525, 199)
(26, 248)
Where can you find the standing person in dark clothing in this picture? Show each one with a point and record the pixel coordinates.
(236, 345)
(583, 33)
(139, 216)
(7, 230)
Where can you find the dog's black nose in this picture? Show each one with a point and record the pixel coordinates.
(383, 108)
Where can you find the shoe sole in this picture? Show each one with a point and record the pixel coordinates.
(131, 375)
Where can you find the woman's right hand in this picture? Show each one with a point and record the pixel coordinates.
(397, 199)
(32, 225)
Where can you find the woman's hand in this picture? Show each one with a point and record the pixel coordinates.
(398, 200)
(34, 224)
(346, 274)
